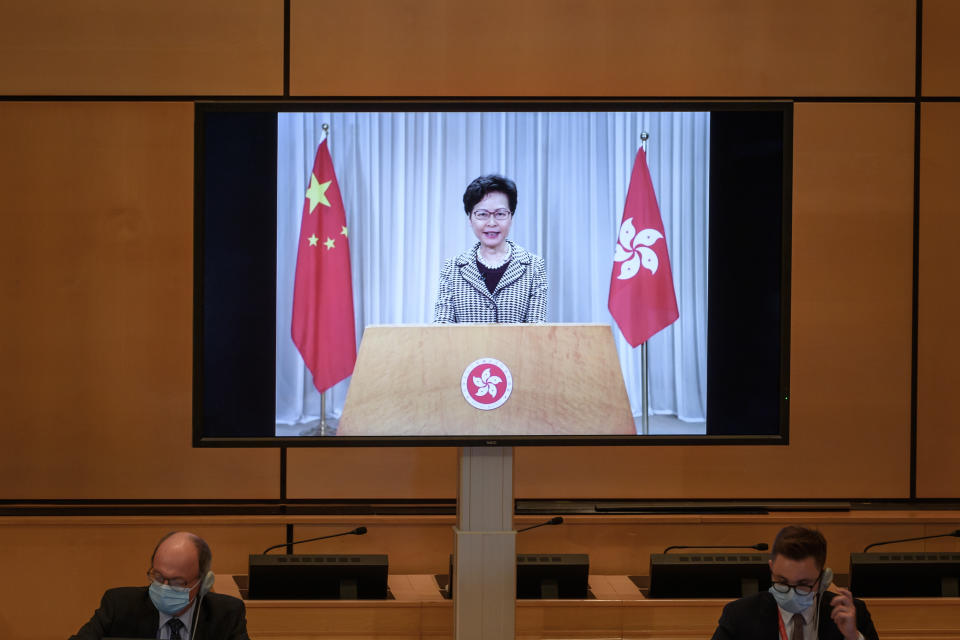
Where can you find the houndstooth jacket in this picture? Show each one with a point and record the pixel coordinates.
(521, 295)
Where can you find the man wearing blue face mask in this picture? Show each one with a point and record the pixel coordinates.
(176, 605)
(798, 605)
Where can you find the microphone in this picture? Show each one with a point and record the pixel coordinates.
(553, 520)
(359, 531)
(952, 534)
(760, 546)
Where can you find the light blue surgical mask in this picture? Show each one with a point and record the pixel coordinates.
(167, 599)
(792, 601)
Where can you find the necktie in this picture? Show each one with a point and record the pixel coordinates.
(175, 625)
(796, 622)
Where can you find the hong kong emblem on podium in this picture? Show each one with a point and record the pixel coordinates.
(486, 383)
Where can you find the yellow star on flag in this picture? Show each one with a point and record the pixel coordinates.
(317, 193)
(313, 240)
(343, 231)
(329, 243)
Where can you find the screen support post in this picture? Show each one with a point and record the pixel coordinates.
(485, 554)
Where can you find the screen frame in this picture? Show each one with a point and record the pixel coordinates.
(202, 109)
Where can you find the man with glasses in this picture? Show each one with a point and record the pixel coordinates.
(176, 605)
(798, 605)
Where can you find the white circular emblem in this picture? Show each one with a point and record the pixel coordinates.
(486, 383)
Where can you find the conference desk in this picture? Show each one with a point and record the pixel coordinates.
(618, 609)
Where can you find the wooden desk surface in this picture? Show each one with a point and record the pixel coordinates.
(618, 611)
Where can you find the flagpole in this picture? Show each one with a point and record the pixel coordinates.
(322, 427)
(323, 414)
(644, 363)
(645, 392)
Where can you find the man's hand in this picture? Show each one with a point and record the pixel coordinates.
(844, 614)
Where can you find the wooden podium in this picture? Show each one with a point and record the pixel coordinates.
(566, 381)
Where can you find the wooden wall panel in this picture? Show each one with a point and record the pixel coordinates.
(850, 352)
(603, 48)
(96, 278)
(938, 439)
(941, 56)
(148, 47)
(393, 473)
(82, 557)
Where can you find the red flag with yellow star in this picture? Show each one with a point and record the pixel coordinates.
(322, 325)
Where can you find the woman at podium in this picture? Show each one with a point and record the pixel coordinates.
(496, 280)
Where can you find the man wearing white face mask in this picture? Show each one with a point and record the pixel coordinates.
(798, 605)
(176, 605)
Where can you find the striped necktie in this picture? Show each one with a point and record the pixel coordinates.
(796, 622)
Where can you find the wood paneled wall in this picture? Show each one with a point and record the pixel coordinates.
(938, 438)
(96, 206)
(97, 290)
(606, 48)
(143, 48)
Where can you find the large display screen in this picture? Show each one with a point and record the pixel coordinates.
(315, 222)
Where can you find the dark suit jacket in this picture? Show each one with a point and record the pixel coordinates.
(755, 618)
(127, 612)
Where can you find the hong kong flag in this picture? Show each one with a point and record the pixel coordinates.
(322, 325)
(642, 300)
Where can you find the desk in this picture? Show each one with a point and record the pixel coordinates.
(618, 611)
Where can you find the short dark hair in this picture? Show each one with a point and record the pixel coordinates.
(492, 183)
(800, 543)
(204, 555)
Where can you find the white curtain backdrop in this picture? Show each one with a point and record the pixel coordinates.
(402, 177)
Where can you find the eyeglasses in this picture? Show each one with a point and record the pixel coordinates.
(800, 589)
(179, 583)
(500, 214)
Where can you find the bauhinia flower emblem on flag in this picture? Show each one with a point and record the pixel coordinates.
(633, 250)
(486, 383)
(642, 305)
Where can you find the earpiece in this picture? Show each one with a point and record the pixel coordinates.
(825, 580)
(207, 584)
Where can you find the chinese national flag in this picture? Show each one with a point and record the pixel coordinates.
(322, 325)
(642, 300)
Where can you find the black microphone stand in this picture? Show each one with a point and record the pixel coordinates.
(553, 520)
(760, 546)
(952, 534)
(359, 531)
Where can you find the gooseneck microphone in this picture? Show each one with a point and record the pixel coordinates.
(760, 546)
(553, 520)
(952, 534)
(359, 531)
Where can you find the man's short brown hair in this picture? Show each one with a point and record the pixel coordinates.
(800, 543)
